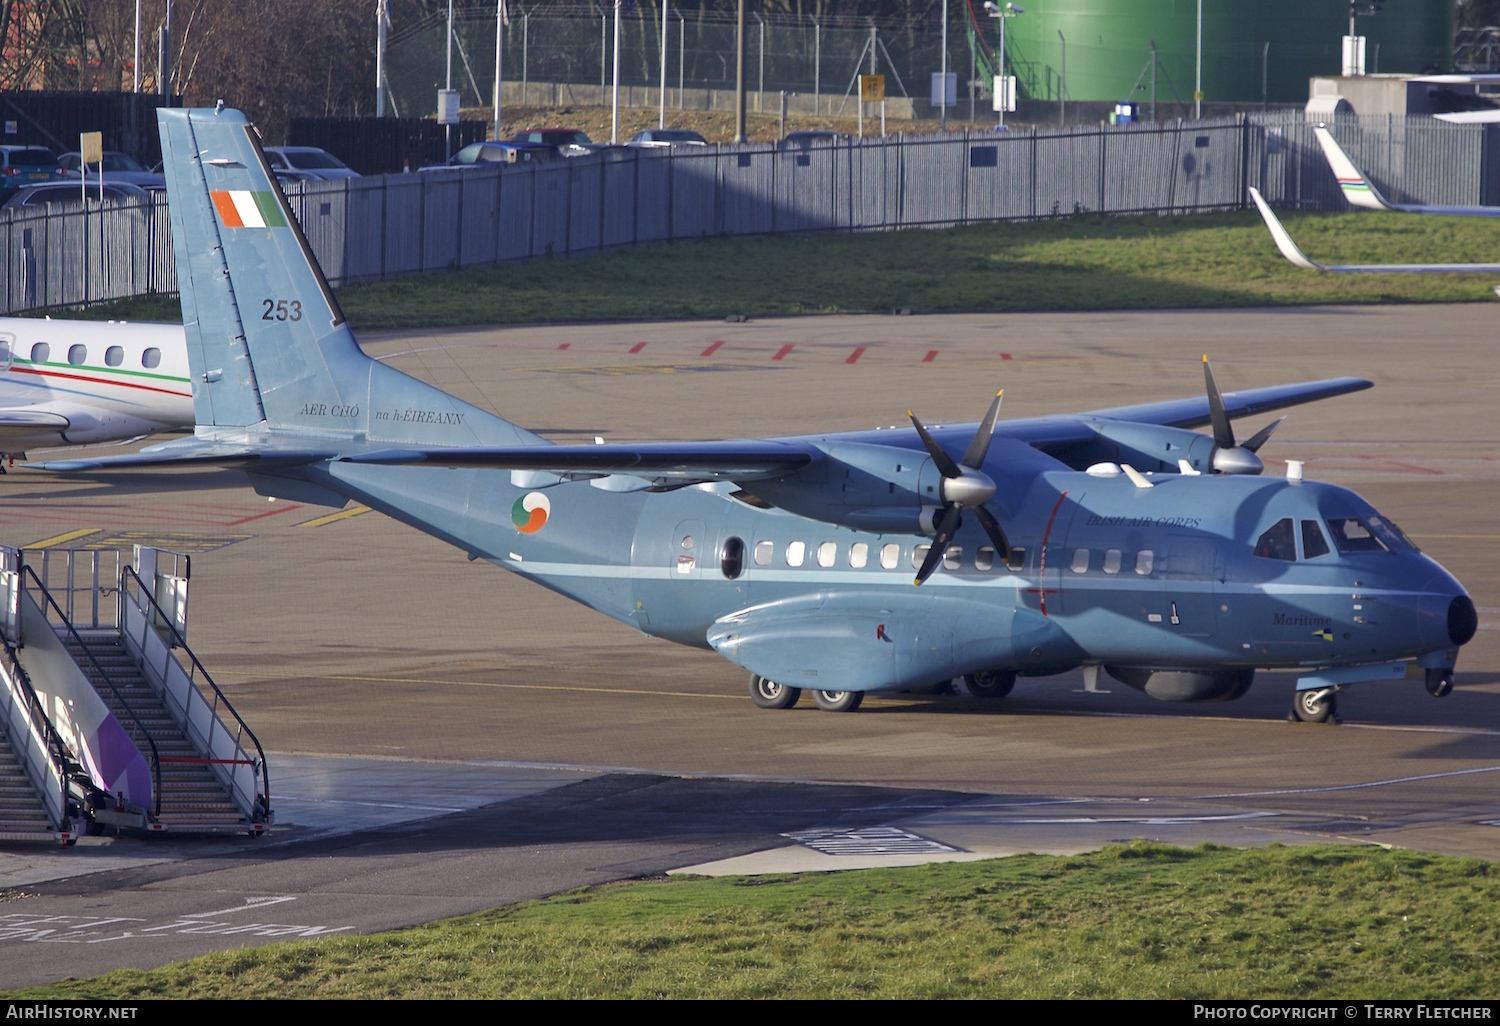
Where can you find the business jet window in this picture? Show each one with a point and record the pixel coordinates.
(1111, 561)
(40, 352)
(1279, 542)
(918, 555)
(1313, 542)
(859, 555)
(796, 552)
(1144, 561)
(78, 354)
(1353, 535)
(114, 356)
(151, 358)
(1080, 564)
(953, 559)
(890, 555)
(732, 560)
(764, 551)
(827, 553)
(984, 557)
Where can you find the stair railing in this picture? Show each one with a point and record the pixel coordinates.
(27, 571)
(59, 757)
(158, 616)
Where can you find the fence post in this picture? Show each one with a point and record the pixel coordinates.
(1103, 141)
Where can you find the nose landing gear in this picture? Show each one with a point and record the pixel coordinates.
(1439, 682)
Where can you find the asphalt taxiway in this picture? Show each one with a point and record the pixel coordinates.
(445, 737)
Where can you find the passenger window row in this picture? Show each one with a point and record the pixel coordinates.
(859, 554)
(1114, 559)
(78, 355)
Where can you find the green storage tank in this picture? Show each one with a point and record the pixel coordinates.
(1108, 47)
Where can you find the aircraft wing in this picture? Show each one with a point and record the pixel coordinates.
(29, 422)
(1293, 254)
(1190, 413)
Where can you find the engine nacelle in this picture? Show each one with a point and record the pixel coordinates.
(1186, 685)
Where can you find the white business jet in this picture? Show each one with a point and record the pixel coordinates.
(85, 382)
(1361, 192)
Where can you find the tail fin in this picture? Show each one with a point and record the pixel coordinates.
(267, 343)
(1357, 189)
(1279, 234)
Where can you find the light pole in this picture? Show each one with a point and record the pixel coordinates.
(1198, 70)
(943, 106)
(614, 117)
(382, 23)
(1000, 14)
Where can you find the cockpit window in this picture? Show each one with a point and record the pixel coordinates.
(1279, 542)
(1389, 533)
(1313, 542)
(1352, 534)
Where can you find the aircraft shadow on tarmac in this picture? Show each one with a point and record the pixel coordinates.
(114, 485)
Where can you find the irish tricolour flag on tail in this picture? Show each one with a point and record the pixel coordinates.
(244, 209)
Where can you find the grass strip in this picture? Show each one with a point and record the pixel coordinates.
(1083, 262)
(1140, 920)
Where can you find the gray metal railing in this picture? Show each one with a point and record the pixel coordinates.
(381, 227)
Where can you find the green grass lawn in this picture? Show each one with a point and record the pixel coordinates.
(1085, 262)
(1139, 920)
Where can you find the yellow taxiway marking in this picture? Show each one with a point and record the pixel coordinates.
(330, 518)
(60, 539)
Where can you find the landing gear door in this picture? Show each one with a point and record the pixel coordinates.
(691, 552)
(1189, 579)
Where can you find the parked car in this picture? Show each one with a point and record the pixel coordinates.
(812, 137)
(61, 193)
(658, 137)
(118, 167)
(570, 142)
(22, 165)
(481, 153)
(316, 162)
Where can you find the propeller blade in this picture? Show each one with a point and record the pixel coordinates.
(1263, 436)
(946, 529)
(974, 457)
(944, 462)
(997, 535)
(1223, 433)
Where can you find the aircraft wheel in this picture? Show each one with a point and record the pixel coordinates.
(990, 683)
(838, 701)
(770, 695)
(1440, 683)
(1315, 706)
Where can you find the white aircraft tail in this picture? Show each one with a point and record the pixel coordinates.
(1283, 240)
(1357, 189)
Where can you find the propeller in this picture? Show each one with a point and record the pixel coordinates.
(964, 485)
(1229, 456)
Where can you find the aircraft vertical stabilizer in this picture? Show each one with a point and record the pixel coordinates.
(267, 341)
(1357, 189)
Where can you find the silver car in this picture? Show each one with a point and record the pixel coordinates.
(309, 159)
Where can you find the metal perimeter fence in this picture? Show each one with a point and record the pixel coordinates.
(381, 227)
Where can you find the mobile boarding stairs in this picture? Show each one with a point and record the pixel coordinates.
(108, 722)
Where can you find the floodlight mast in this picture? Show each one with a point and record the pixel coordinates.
(1000, 14)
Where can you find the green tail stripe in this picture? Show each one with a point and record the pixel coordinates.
(270, 210)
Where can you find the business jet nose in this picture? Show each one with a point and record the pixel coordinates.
(1447, 619)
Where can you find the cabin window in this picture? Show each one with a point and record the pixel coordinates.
(859, 555)
(40, 352)
(1279, 542)
(151, 358)
(953, 559)
(796, 552)
(1017, 560)
(1080, 564)
(114, 356)
(890, 555)
(732, 559)
(984, 557)
(764, 551)
(918, 555)
(1313, 542)
(1111, 561)
(827, 553)
(1353, 535)
(78, 354)
(1144, 561)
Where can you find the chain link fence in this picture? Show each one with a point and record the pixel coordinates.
(380, 227)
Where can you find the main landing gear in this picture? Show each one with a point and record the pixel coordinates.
(990, 683)
(770, 695)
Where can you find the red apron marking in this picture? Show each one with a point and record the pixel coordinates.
(565, 345)
(712, 349)
(638, 347)
(1005, 356)
(261, 516)
(781, 353)
(854, 356)
(931, 355)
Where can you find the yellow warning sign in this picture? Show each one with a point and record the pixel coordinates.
(91, 146)
(871, 88)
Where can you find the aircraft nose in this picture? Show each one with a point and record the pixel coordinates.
(1447, 619)
(1463, 620)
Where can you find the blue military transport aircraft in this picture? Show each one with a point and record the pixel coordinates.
(1118, 538)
